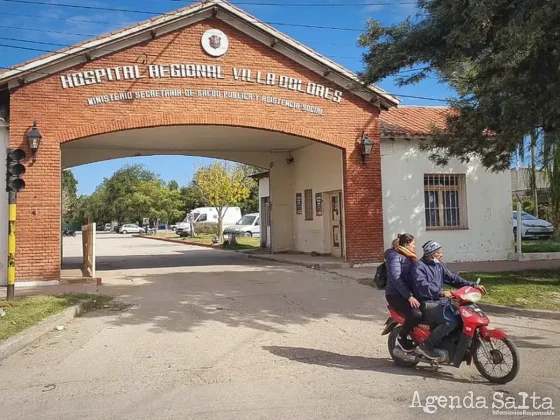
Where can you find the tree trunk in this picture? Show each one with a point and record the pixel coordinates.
(220, 225)
(534, 187)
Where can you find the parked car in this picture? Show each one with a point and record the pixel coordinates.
(531, 227)
(248, 225)
(107, 227)
(131, 228)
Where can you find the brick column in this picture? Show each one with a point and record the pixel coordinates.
(363, 204)
(38, 229)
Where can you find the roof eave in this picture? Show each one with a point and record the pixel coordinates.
(83, 53)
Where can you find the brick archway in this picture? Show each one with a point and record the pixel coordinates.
(66, 115)
(105, 127)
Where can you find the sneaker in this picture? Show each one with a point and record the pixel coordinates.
(427, 351)
(405, 344)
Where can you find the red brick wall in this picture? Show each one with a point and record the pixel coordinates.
(63, 115)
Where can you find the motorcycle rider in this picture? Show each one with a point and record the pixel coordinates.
(428, 279)
(400, 262)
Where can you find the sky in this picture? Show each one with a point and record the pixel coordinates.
(16, 25)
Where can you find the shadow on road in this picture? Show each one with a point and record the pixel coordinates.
(341, 361)
(260, 297)
(177, 258)
(531, 342)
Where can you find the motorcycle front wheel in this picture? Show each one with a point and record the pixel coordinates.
(498, 362)
(392, 342)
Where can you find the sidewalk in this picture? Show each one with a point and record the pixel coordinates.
(338, 266)
(306, 260)
(365, 273)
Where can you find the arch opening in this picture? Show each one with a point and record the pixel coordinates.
(300, 196)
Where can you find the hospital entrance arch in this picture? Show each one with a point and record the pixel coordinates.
(208, 80)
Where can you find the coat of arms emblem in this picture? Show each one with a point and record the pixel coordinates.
(215, 41)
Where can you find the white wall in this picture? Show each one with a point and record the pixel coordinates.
(4, 143)
(281, 219)
(489, 235)
(317, 167)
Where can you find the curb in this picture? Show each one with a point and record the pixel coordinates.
(316, 266)
(177, 241)
(81, 280)
(492, 309)
(528, 313)
(17, 342)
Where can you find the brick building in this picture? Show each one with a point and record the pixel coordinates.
(207, 80)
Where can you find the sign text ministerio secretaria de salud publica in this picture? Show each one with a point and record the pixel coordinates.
(159, 71)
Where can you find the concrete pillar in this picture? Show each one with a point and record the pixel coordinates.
(282, 200)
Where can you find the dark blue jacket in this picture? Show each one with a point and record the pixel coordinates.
(429, 277)
(399, 274)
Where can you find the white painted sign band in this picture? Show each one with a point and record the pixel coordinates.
(204, 93)
(205, 71)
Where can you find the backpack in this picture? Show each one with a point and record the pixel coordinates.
(380, 278)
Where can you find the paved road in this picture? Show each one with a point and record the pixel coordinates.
(214, 335)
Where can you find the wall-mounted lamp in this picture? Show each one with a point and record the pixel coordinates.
(290, 160)
(34, 138)
(367, 147)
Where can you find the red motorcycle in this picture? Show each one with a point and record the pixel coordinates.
(493, 353)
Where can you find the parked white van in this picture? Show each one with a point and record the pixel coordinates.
(208, 215)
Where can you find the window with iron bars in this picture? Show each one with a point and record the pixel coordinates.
(445, 201)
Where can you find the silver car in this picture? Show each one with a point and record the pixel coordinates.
(131, 228)
(531, 227)
(248, 225)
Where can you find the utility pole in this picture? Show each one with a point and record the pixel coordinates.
(15, 170)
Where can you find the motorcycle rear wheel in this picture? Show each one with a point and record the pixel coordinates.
(392, 342)
(498, 359)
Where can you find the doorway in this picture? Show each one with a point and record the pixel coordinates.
(335, 223)
(265, 222)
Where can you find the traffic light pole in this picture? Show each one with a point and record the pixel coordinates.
(12, 200)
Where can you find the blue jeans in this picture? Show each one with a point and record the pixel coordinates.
(433, 314)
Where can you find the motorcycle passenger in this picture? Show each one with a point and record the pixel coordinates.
(400, 262)
(428, 279)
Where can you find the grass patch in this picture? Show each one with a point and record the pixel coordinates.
(538, 289)
(245, 243)
(531, 247)
(25, 312)
(205, 238)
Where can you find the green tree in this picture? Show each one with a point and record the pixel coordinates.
(191, 197)
(552, 170)
(119, 189)
(155, 200)
(69, 196)
(173, 185)
(222, 185)
(500, 56)
(251, 203)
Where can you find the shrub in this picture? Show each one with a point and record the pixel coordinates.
(207, 228)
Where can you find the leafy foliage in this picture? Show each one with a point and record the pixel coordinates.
(69, 196)
(500, 56)
(223, 185)
(191, 197)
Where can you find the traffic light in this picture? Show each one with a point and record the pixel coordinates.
(15, 170)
